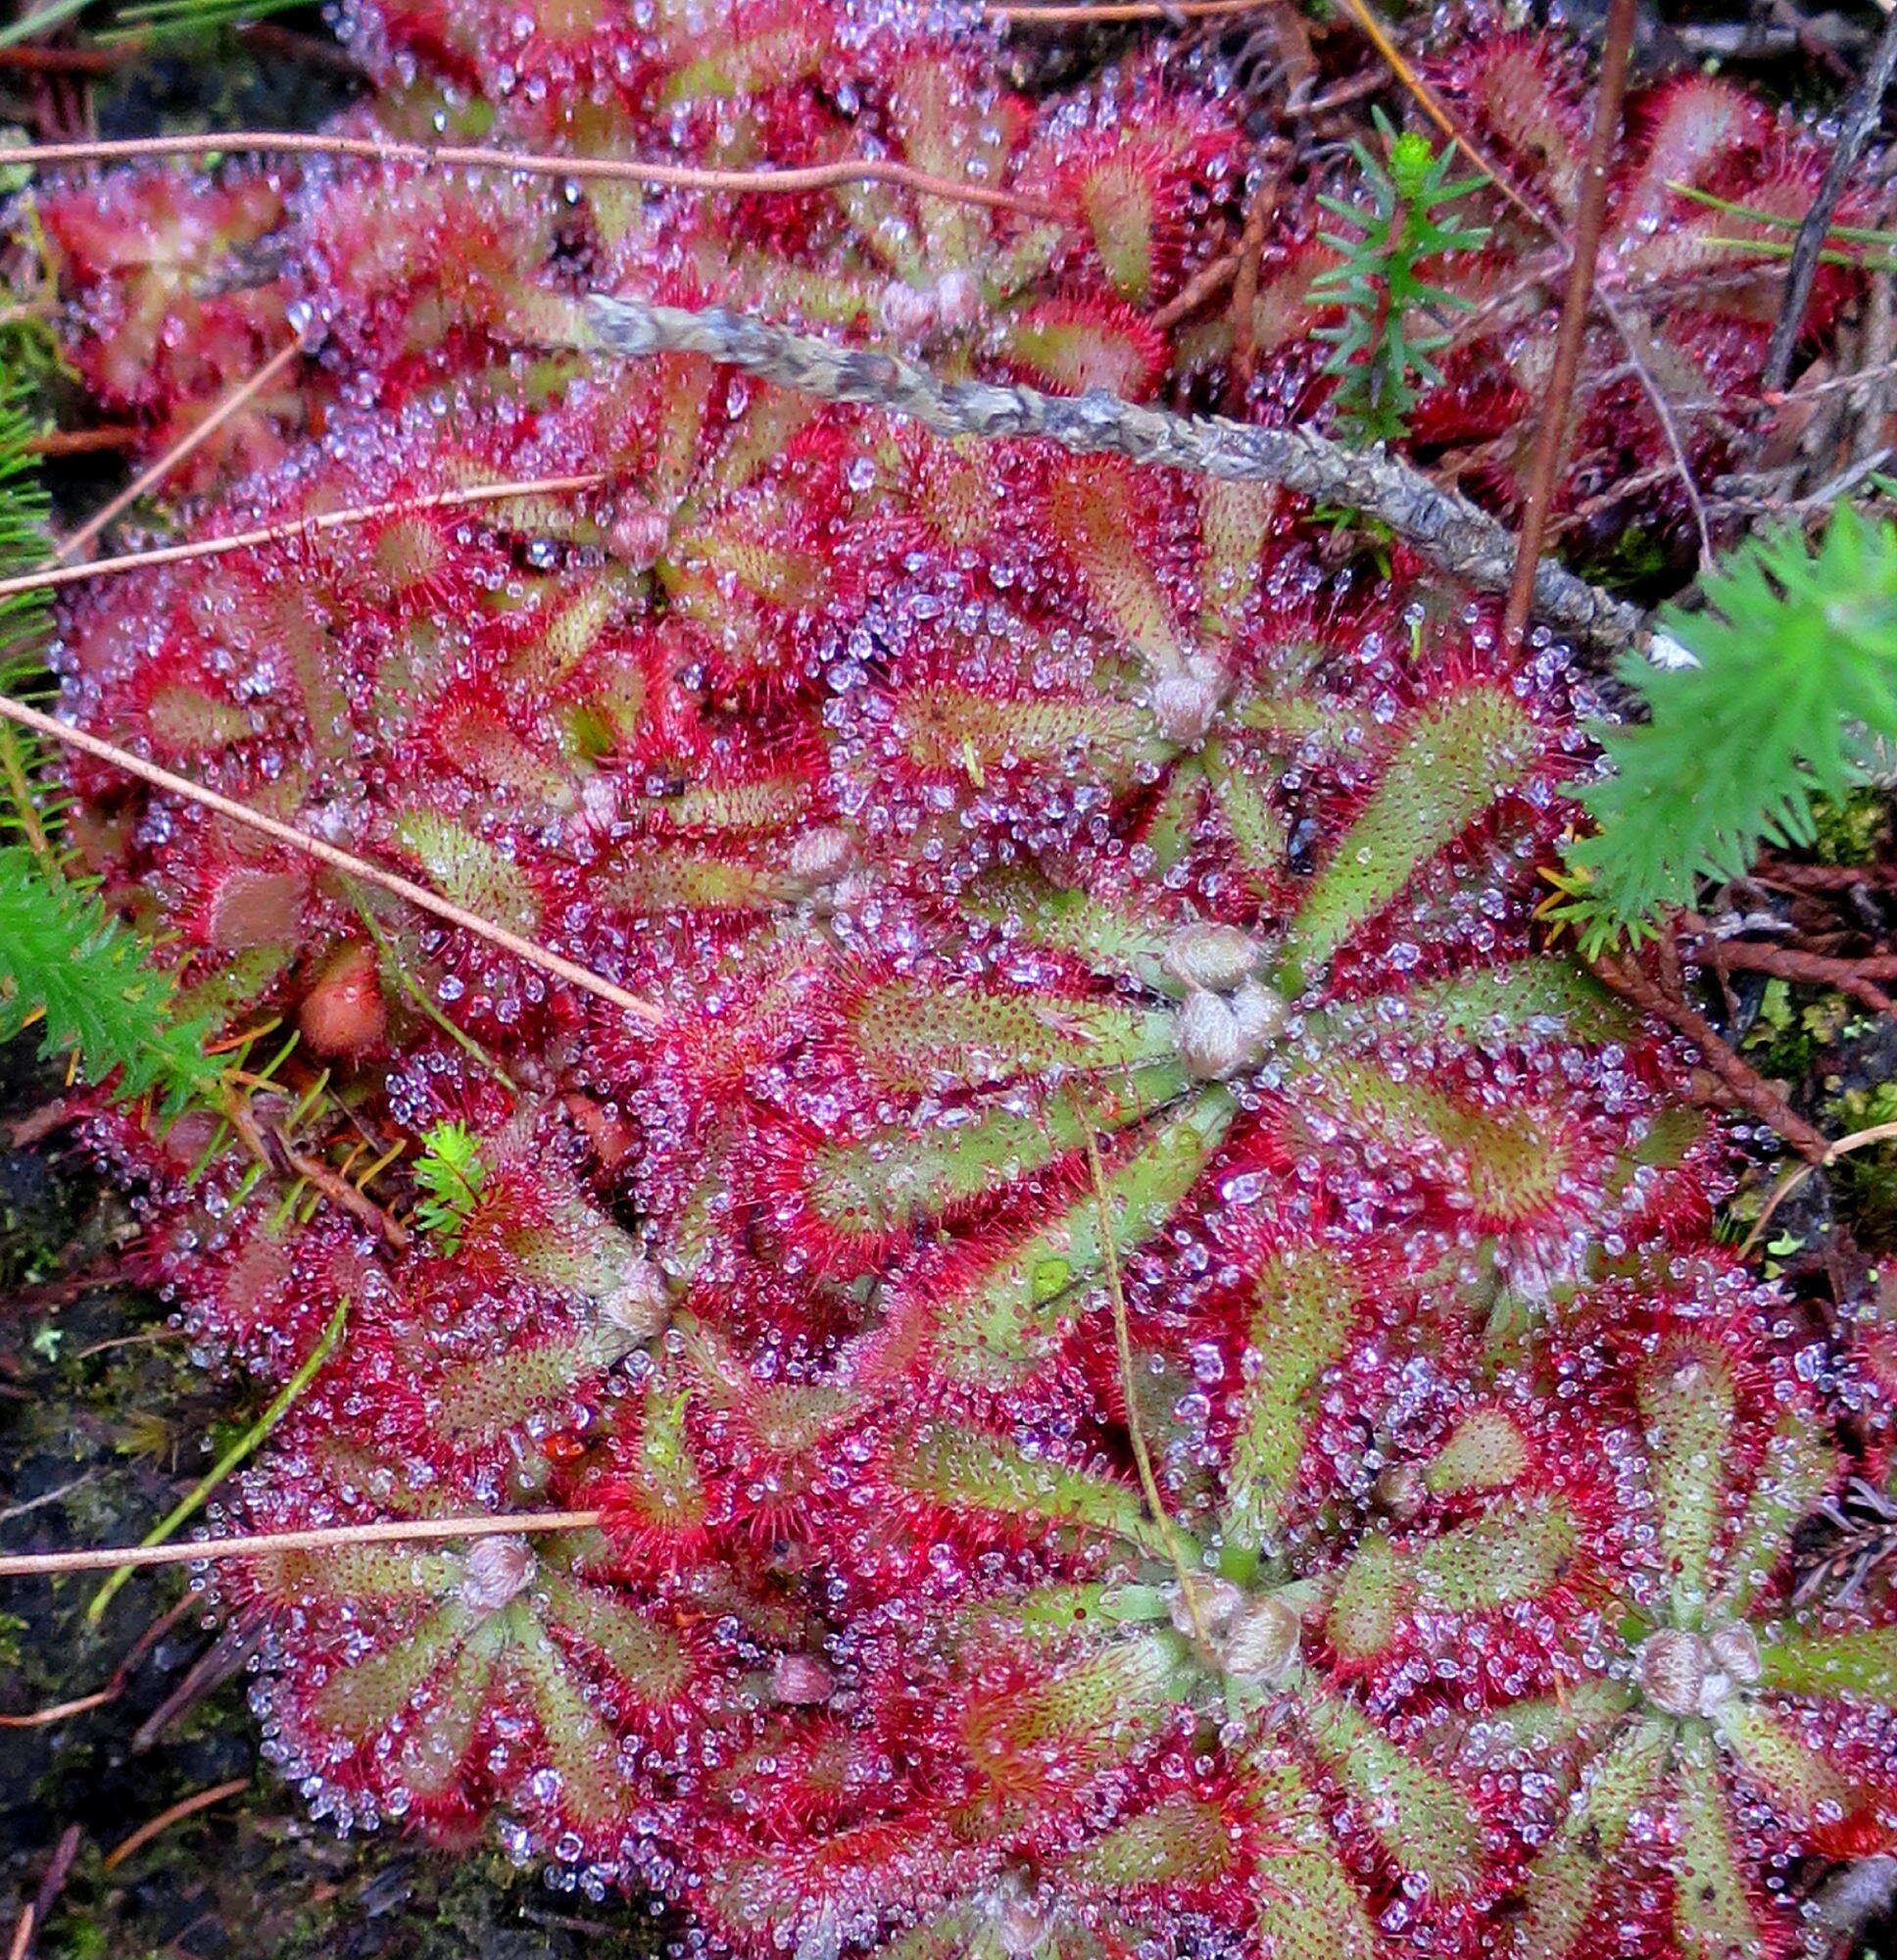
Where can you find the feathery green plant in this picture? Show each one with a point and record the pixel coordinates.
(66, 963)
(1792, 683)
(1381, 361)
(81, 975)
(23, 615)
(453, 1173)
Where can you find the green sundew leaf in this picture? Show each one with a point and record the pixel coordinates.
(1513, 1168)
(1458, 755)
(1092, 506)
(746, 64)
(669, 878)
(914, 1039)
(189, 723)
(365, 1699)
(1548, 1730)
(767, 805)
(1518, 1006)
(1109, 941)
(981, 735)
(1794, 655)
(571, 630)
(475, 874)
(772, 417)
(1800, 1465)
(785, 1416)
(580, 1747)
(1306, 1303)
(1292, 717)
(1567, 1875)
(896, 1178)
(1116, 200)
(1069, 352)
(1108, 1703)
(662, 1485)
(968, 1469)
(1425, 1823)
(1797, 1783)
(436, 1738)
(1182, 1840)
(1858, 1666)
(1236, 519)
(1486, 1452)
(1262, 841)
(1173, 823)
(1310, 1906)
(504, 1390)
(996, 1326)
(77, 968)
(1362, 1615)
(387, 1574)
(1517, 1550)
(1686, 1399)
(1713, 1916)
(500, 756)
(964, 1933)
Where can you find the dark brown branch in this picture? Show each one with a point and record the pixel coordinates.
(1445, 527)
(1551, 437)
(1860, 118)
(1746, 1085)
(1784, 962)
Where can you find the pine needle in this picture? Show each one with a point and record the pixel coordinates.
(193, 1500)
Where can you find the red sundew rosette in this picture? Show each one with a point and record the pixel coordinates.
(1046, 1669)
(1728, 1723)
(176, 300)
(601, 73)
(1212, 996)
(528, 1677)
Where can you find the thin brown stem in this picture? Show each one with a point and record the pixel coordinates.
(1860, 118)
(1123, 1348)
(149, 480)
(1551, 437)
(275, 1151)
(1788, 962)
(612, 170)
(50, 1887)
(328, 854)
(298, 528)
(1431, 103)
(106, 438)
(1109, 11)
(1745, 1084)
(1206, 283)
(259, 1544)
(187, 1807)
(72, 61)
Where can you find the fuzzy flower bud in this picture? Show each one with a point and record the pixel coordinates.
(1696, 1673)
(1210, 955)
(820, 858)
(495, 1571)
(802, 1679)
(641, 1303)
(1185, 704)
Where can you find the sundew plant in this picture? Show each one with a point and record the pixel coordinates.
(1101, 1349)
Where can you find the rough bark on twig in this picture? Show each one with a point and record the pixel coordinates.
(1446, 528)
